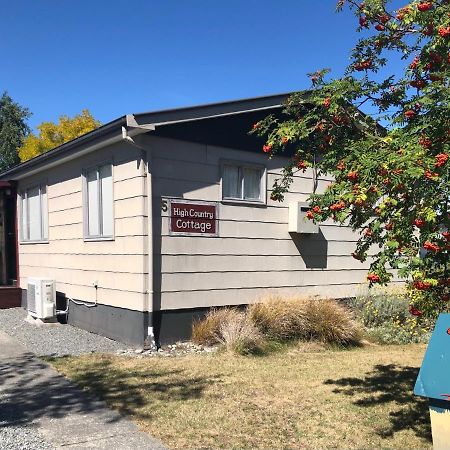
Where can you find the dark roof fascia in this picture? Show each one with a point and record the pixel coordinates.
(157, 118)
(72, 147)
(211, 110)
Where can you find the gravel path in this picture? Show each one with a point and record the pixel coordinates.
(54, 340)
(22, 438)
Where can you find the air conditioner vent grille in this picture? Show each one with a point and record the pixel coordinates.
(31, 298)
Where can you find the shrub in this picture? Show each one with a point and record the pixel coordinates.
(206, 331)
(299, 318)
(385, 314)
(239, 334)
(381, 305)
(280, 319)
(392, 333)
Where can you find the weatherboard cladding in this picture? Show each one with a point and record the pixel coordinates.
(254, 255)
(118, 265)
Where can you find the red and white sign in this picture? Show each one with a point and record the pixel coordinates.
(193, 218)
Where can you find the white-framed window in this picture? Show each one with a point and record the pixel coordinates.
(98, 203)
(34, 214)
(243, 182)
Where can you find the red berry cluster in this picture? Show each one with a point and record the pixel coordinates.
(267, 148)
(424, 6)
(430, 175)
(421, 285)
(363, 21)
(327, 102)
(302, 165)
(373, 277)
(444, 32)
(352, 175)
(337, 206)
(402, 12)
(419, 223)
(425, 142)
(430, 246)
(414, 63)
(418, 83)
(441, 159)
(363, 65)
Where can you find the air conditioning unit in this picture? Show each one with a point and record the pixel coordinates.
(41, 298)
(298, 219)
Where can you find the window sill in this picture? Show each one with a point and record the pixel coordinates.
(236, 201)
(33, 242)
(99, 239)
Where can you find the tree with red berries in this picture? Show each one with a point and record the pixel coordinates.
(391, 182)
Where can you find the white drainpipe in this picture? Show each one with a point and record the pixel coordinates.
(146, 188)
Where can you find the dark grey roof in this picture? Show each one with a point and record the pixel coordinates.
(156, 118)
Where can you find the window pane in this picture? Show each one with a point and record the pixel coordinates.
(107, 199)
(44, 212)
(231, 182)
(252, 184)
(24, 223)
(34, 214)
(93, 207)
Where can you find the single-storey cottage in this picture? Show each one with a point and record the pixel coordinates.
(151, 219)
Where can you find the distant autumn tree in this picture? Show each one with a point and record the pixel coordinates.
(53, 134)
(391, 183)
(13, 130)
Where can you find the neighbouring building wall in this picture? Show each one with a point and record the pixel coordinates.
(117, 266)
(254, 255)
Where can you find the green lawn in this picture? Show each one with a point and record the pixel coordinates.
(304, 397)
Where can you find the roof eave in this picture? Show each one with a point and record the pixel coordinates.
(65, 151)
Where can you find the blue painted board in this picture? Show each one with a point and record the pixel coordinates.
(433, 380)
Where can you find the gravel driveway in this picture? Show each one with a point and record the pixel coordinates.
(55, 340)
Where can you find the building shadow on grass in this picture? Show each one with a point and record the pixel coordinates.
(390, 384)
(29, 391)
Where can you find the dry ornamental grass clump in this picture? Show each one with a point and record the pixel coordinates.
(240, 335)
(332, 323)
(206, 330)
(305, 318)
(278, 319)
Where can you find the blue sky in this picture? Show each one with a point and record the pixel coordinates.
(117, 57)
